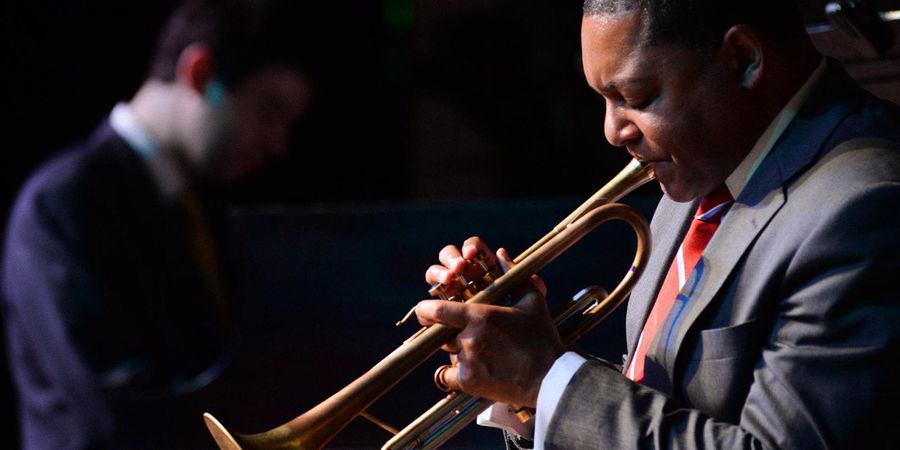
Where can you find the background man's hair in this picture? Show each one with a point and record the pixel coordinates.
(702, 23)
(242, 35)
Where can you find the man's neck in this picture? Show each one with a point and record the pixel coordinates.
(155, 107)
(788, 66)
(791, 63)
(155, 111)
(779, 122)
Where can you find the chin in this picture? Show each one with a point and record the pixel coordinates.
(680, 194)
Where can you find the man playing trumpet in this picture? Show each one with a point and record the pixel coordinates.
(765, 318)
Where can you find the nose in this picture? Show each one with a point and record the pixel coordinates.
(619, 130)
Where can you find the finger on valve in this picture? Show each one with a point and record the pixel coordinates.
(476, 274)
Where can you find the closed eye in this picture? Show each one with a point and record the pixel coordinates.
(640, 103)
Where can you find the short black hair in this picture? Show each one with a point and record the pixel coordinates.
(702, 24)
(242, 36)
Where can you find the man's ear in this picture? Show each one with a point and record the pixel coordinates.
(742, 52)
(195, 67)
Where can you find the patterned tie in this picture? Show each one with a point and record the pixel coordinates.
(705, 222)
(206, 257)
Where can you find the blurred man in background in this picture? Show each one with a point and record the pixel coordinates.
(116, 302)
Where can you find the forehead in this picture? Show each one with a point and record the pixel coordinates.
(611, 47)
(619, 30)
(615, 54)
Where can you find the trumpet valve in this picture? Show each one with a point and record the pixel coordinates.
(477, 275)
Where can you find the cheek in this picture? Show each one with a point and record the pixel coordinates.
(232, 146)
(221, 123)
(678, 139)
(662, 134)
(243, 133)
(247, 146)
(252, 129)
(684, 134)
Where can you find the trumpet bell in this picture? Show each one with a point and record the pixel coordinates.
(221, 435)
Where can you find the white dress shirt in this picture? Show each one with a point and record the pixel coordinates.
(167, 174)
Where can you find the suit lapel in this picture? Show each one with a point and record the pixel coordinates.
(765, 194)
(739, 229)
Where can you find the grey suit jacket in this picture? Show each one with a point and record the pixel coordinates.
(789, 336)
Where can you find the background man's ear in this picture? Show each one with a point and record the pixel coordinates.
(195, 67)
(742, 50)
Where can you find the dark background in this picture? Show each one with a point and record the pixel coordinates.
(427, 109)
(419, 99)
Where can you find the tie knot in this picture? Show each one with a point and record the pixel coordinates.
(713, 206)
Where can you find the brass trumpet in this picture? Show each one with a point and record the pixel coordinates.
(315, 428)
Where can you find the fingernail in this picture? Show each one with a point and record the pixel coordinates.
(503, 259)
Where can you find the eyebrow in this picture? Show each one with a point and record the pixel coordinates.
(614, 86)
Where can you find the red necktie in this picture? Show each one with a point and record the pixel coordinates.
(705, 222)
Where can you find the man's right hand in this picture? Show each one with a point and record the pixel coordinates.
(501, 353)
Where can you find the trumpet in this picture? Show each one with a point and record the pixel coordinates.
(315, 428)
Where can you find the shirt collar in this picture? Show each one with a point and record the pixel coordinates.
(165, 170)
(745, 170)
